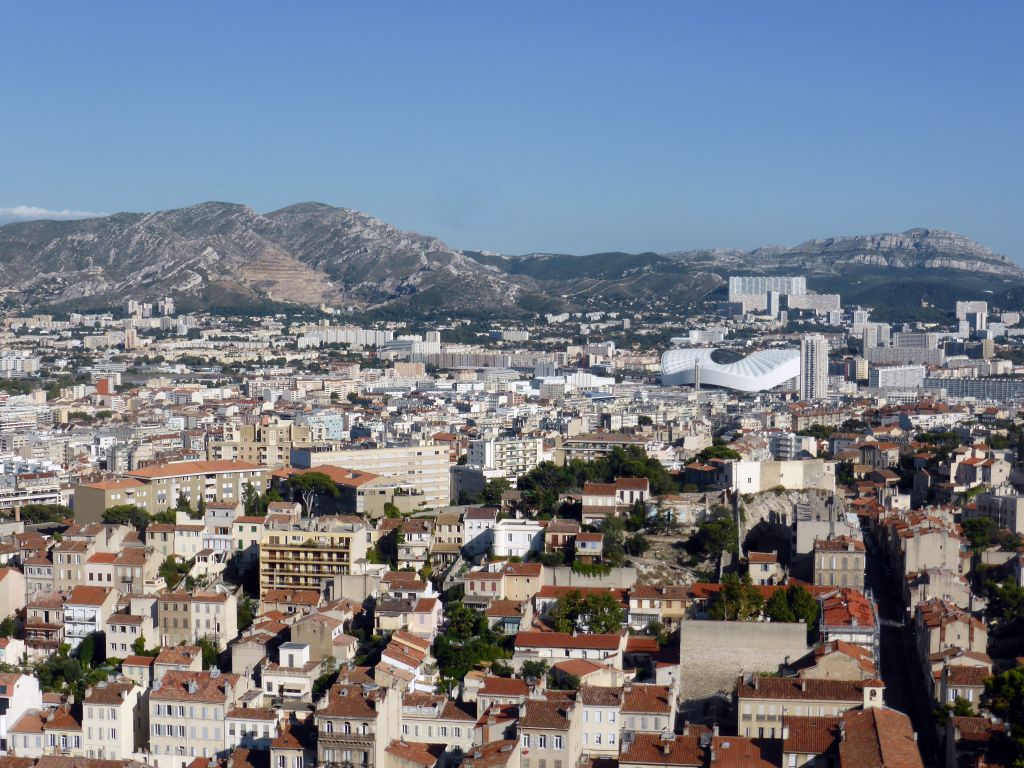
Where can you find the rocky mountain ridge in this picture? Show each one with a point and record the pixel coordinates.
(225, 255)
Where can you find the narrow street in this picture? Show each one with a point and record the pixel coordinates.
(900, 667)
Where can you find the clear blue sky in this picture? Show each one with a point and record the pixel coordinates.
(557, 126)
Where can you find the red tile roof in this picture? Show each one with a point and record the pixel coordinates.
(878, 738)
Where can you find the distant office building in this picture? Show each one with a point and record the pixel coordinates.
(999, 390)
(896, 376)
(746, 285)
(965, 308)
(813, 367)
(905, 340)
(978, 321)
(820, 303)
(876, 335)
(905, 355)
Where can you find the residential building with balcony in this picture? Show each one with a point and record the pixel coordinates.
(310, 558)
(511, 456)
(157, 488)
(291, 678)
(250, 728)
(86, 611)
(424, 466)
(44, 624)
(355, 724)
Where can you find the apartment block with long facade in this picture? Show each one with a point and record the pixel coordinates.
(310, 557)
(761, 702)
(157, 488)
(425, 467)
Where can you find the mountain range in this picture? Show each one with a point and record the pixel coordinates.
(228, 256)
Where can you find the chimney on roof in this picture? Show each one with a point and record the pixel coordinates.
(714, 729)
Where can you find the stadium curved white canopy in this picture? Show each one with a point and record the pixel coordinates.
(756, 372)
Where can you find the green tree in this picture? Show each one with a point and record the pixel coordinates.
(46, 513)
(793, 604)
(210, 653)
(819, 431)
(493, 490)
(715, 534)
(311, 486)
(463, 622)
(390, 510)
(980, 531)
(250, 499)
(173, 569)
(636, 545)
(718, 452)
(778, 609)
(246, 613)
(535, 668)
(183, 504)
(1004, 697)
(1005, 610)
(91, 649)
(599, 612)
(738, 600)
(8, 627)
(127, 514)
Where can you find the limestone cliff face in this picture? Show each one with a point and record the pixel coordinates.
(227, 253)
(224, 254)
(913, 249)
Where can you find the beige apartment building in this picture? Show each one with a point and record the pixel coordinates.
(269, 445)
(550, 733)
(186, 715)
(839, 562)
(157, 488)
(761, 702)
(355, 725)
(426, 467)
(113, 720)
(186, 618)
(309, 559)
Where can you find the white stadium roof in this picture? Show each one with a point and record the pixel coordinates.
(756, 372)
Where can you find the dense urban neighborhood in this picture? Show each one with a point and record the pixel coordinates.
(772, 533)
